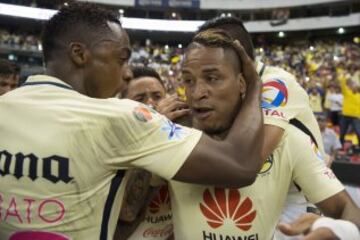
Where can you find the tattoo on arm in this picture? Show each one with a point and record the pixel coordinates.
(135, 194)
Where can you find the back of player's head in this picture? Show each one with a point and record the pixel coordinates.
(82, 22)
(8, 68)
(235, 28)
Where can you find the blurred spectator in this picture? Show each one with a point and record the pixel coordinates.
(9, 76)
(351, 105)
(315, 101)
(334, 102)
(330, 139)
(20, 41)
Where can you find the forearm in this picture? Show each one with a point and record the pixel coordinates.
(136, 193)
(137, 214)
(248, 129)
(125, 229)
(341, 206)
(351, 213)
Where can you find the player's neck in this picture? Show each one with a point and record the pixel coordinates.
(220, 136)
(65, 74)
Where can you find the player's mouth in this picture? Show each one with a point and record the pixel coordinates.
(202, 113)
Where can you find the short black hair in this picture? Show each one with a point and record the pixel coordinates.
(75, 22)
(144, 71)
(8, 68)
(235, 28)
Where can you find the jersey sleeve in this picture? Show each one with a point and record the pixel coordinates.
(282, 98)
(310, 172)
(141, 137)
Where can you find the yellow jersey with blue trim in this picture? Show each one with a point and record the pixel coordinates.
(63, 156)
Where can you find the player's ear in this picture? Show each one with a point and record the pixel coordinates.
(242, 84)
(79, 54)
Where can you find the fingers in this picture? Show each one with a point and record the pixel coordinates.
(245, 59)
(168, 101)
(175, 105)
(172, 107)
(247, 64)
(178, 113)
(290, 230)
(321, 234)
(299, 226)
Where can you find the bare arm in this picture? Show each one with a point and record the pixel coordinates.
(137, 197)
(272, 137)
(125, 229)
(235, 161)
(341, 206)
(136, 193)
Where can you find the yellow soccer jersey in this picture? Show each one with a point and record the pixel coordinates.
(63, 156)
(251, 213)
(351, 105)
(284, 101)
(157, 224)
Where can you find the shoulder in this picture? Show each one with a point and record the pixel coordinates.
(296, 138)
(276, 77)
(106, 109)
(276, 72)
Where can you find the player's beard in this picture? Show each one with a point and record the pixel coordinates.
(221, 131)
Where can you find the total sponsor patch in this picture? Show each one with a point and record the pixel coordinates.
(274, 94)
(274, 113)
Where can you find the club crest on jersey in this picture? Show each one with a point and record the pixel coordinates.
(173, 130)
(143, 113)
(267, 164)
(274, 94)
(225, 205)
